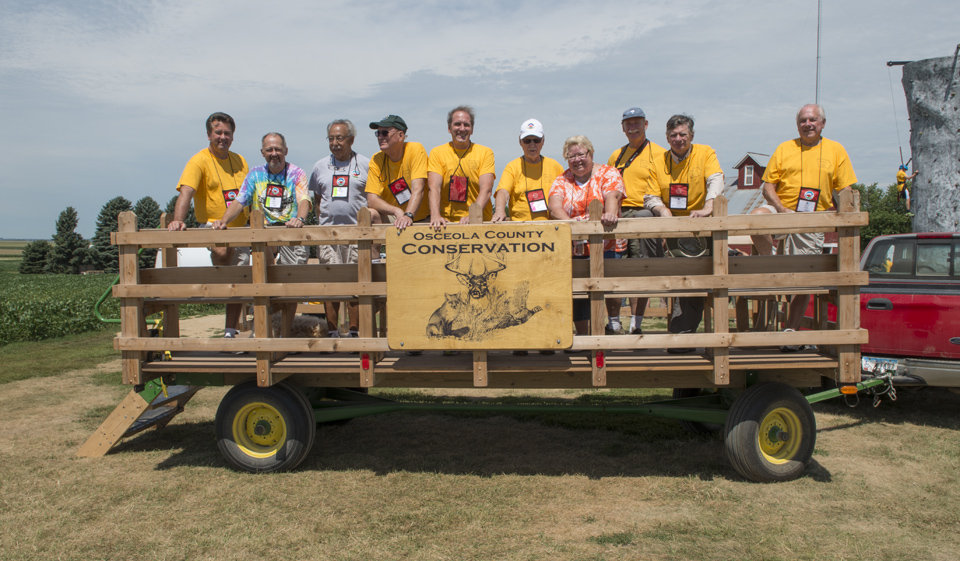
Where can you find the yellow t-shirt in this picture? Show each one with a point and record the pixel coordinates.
(901, 180)
(635, 176)
(384, 171)
(472, 163)
(215, 182)
(682, 186)
(521, 177)
(822, 169)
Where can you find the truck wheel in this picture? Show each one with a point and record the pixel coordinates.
(694, 426)
(770, 433)
(263, 429)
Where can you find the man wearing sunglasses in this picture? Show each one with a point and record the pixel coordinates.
(398, 174)
(459, 173)
(634, 161)
(525, 185)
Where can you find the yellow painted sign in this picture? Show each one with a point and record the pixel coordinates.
(483, 287)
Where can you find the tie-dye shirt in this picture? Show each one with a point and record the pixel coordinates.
(276, 195)
(576, 199)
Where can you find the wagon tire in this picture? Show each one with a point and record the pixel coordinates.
(263, 429)
(695, 427)
(770, 433)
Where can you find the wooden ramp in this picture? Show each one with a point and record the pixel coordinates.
(136, 414)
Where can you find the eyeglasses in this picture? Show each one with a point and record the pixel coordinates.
(575, 157)
(337, 138)
(384, 133)
(532, 140)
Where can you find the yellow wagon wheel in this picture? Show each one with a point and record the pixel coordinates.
(770, 433)
(264, 429)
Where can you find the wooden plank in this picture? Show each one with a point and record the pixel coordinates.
(368, 374)
(275, 235)
(735, 225)
(789, 283)
(848, 297)
(262, 326)
(131, 313)
(112, 429)
(338, 273)
(296, 291)
(171, 313)
(480, 379)
(217, 344)
(598, 308)
(721, 310)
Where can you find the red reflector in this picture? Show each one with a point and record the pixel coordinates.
(599, 359)
(365, 361)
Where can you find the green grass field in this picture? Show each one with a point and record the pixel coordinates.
(12, 248)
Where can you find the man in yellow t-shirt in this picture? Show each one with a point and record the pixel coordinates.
(398, 174)
(459, 173)
(212, 179)
(634, 161)
(802, 176)
(525, 185)
(902, 189)
(684, 181)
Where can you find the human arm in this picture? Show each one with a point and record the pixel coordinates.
(555, 203)
(434, 181)
(714, 188)
(770, 195)
(181, 209)
(611, 207)
(233, 210)
(502, 199)
(483, 194)
(304, 204)
(915, 172)
(377, 203)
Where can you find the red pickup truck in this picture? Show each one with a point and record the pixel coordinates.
(912, 309)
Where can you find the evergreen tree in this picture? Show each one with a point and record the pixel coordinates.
(148, 218)
(106, 255)
(191, 220)
(34, 257)
(70, 250)
(887, 214)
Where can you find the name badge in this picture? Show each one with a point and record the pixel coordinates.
(457, 189)
(229, 195)
(400, 190)
(808, 199)
(678, 196)
(273, 198)
(341, 186)
(536, 200)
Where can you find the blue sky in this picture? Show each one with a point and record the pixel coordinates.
(107, 98)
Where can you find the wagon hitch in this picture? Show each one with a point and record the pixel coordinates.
(875, 387)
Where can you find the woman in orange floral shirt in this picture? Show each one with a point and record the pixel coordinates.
(571, 194)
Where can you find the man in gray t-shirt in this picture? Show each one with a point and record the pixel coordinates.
(338, 183)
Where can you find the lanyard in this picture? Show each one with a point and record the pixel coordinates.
(633, 157)
(232, 173)
(523, 167)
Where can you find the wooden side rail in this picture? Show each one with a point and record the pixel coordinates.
(716, 277)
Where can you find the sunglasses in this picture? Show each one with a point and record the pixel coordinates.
(532, 140)
(382, 133)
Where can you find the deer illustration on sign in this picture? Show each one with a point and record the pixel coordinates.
(482, 307)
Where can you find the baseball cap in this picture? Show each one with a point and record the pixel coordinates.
(531, 127)
(390, 121)
(633, 112)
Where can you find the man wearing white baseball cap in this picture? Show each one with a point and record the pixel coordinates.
(525, 185)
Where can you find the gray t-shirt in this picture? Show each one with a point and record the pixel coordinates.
(340, 187)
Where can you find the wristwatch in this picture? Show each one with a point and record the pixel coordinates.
(409, 215)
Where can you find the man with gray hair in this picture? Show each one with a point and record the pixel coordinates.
(339, 183)
(634, 161)
(802, 176)
(684, 181)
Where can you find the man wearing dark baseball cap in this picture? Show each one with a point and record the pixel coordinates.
(634, 161)
(398, 174)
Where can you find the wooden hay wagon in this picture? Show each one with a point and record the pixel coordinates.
(485, 290)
